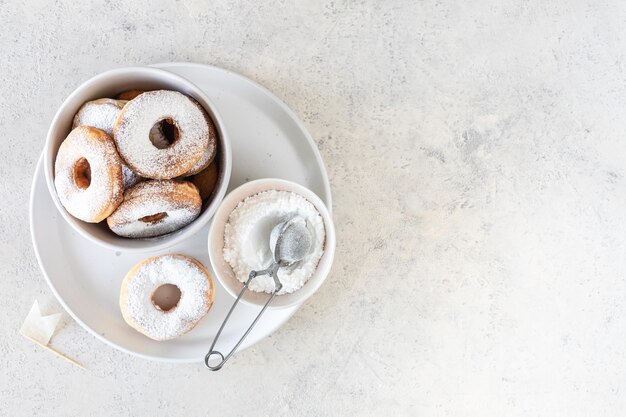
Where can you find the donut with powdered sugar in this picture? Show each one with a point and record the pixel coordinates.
(147, 314)
(154, 208)
(88, 174)
(162, 134)
(100, 113)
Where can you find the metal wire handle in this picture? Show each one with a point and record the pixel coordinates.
(272, 272)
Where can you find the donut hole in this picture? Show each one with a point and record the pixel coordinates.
(82, 174)
(166, 297)
(153, 218)
(164, 133)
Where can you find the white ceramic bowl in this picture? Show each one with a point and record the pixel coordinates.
(109, 84)
(224, 272)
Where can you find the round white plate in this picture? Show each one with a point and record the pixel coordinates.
(268, 140)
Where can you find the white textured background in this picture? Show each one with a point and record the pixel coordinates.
(476, 152)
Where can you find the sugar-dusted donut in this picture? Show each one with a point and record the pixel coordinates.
(140, 306)
(166, 114)
(209, 153)
(88, 174)
(154, 208)
(100, 113)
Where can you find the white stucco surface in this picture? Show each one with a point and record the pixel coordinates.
(477, 155)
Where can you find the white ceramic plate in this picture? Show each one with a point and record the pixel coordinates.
(267, 140)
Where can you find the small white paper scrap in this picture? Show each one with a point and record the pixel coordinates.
(40, 329)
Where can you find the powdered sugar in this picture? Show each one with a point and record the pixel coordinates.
(247, 232)
(209, 153)
(132, 134)
(129, 177)
(196, 298)
(99, 113)
(94, 203)
(178, 200)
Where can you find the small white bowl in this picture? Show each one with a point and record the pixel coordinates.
(224, 272)
(109, 84)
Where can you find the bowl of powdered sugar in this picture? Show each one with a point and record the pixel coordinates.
(239, 241)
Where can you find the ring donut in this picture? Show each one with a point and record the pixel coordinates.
(100, 113)
(162, 134)
(88, 174)
(154, 208)
(159, 319)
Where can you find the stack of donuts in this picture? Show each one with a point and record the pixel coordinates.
(144, 162)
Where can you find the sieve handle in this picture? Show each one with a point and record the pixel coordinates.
(271, 271)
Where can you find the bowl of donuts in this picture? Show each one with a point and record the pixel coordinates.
(137, 159)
